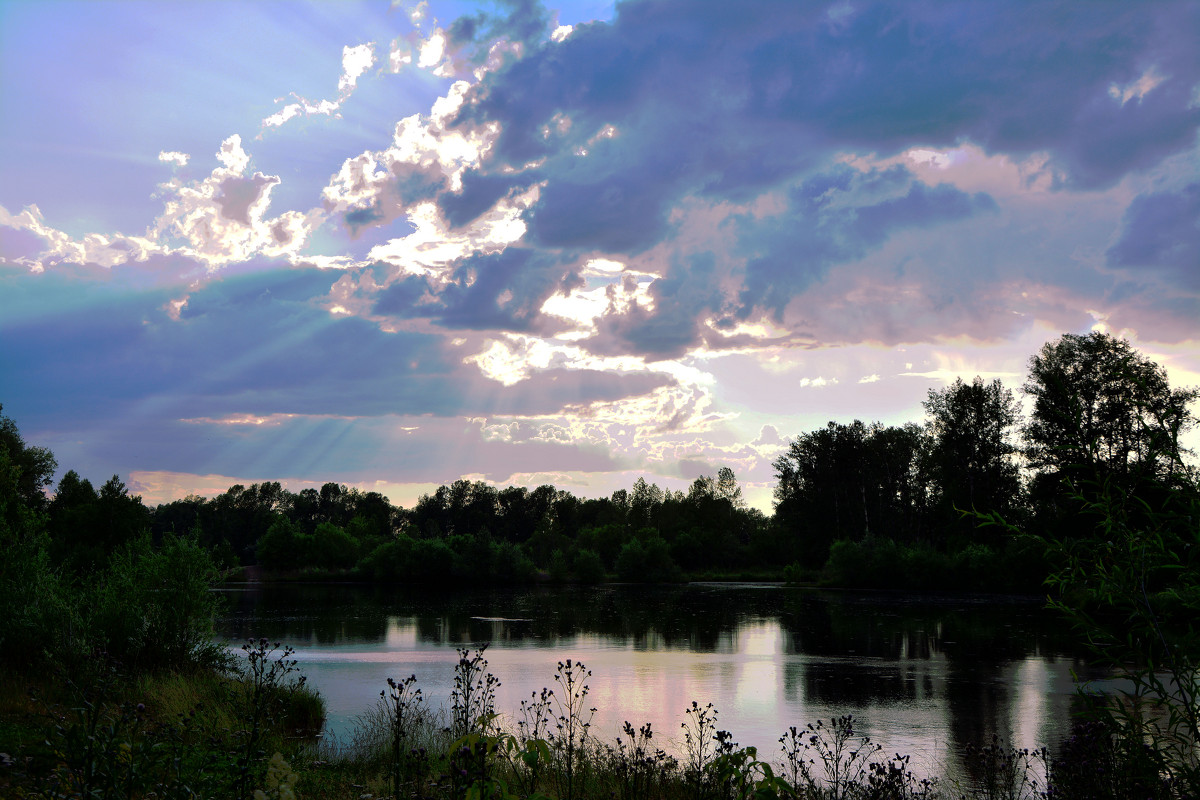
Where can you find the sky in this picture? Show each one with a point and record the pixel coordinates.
(395, 245)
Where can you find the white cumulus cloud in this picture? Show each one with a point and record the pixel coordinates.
(174, 157)
(356, 61)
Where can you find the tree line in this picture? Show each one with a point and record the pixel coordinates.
(855, 503)
(873, 504)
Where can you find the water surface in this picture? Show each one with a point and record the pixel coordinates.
(922, 675)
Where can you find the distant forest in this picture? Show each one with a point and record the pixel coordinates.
(856, 504)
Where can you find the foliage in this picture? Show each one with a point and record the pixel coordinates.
(634, 766)
(148, 607)
(843, 754)
(38, 614)
(270, 678)
(280, 781)
(570, 727)
(1007, 773)
(1133, 591)
(107, 745)
(589, 568)
(153, 607)
(403, 704)
(1102, 411)
(1098, 762)
(1129, 580)
(880, 563)
(647, 562)
(969, 461)
(86, 526)
(30, 469)
(699, 749)
(844, 482)
(473, 698)
(176, 735)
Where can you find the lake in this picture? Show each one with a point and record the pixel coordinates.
(923, 675)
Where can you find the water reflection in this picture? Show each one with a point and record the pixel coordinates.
(926, 676)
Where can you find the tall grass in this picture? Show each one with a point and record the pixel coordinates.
(191, 734)
(402, 748)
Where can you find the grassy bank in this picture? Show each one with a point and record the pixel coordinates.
(196, 733)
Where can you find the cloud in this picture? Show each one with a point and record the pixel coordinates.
(356, 61)
(255, 344)
(426, 157)
(174, 157)
(727, 88)
(838, 217)
(624, 243)
(1161, 233)
(26, 240)
(818, 155)
(752, 118)
(223, 218)
(768, 435)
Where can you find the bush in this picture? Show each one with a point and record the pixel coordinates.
(154, 608)
(557, 568)
(877, 563)
(278, 548)
(648, 562)
(37, 615)
(331, 548)
(589, 568)
(510, 564)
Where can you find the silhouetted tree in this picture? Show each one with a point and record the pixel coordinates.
(1104, 418)
(1102, 409)
(32, 467)
(847, 482)
(970, 462)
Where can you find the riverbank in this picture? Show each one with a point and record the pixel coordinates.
(194, 733)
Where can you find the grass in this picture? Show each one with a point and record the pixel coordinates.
(186, 734)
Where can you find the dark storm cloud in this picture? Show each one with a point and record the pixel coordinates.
(833, 217)
(674, 325)
(499, 291)
(724, 99)
(525, 22)
(503, 291)
(622, 124)
(255, 344)
(479, 193)
(1161, 231)
(621, 213)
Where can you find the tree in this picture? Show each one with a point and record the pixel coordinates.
(279, 547)
(32, 467)
(1102, 411)
(970, 460)
(86, 526)
(845, 482)
(1129, 582)
(727, 488)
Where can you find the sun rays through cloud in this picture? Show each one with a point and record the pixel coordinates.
(397, 244)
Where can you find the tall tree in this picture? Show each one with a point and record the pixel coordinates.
(844, 482)
(32, 468)
(970, 462)
(727, 488)
(1102, 410)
